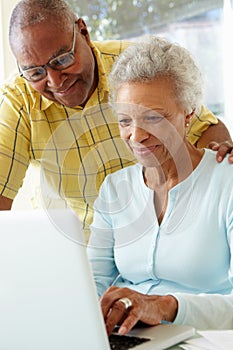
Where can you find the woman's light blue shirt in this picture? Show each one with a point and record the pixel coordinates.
(188, 253)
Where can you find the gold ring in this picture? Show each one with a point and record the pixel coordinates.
(127, 302)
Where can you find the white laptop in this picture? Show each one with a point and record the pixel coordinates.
(48, 299)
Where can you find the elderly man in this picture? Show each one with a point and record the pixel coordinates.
(55, 113)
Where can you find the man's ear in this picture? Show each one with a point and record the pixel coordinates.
(83, 29)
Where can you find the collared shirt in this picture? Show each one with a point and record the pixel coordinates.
(75, 147)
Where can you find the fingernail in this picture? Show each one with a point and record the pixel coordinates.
(219, 158)
(122, 330)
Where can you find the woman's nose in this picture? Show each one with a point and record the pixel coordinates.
(139, 134)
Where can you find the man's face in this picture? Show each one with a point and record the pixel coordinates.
(36, 45)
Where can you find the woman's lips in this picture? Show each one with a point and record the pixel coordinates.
(144, 151)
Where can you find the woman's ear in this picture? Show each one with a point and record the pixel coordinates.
(188, 117)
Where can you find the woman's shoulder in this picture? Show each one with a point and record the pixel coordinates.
(219, 172)
(130, 175)
(210, 158)
(121, 183)
(131, 171)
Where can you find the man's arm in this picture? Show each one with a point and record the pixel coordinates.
(5, 203)
(215, 132)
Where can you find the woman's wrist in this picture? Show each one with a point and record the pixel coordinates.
(170, 308)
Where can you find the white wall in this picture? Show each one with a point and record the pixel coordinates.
(7, 61)
(228, 59)
(7, 67)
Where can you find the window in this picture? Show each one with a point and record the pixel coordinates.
(7, 61)
(198, 25)
(1, 46)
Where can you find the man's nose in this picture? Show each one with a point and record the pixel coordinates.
(55, 78)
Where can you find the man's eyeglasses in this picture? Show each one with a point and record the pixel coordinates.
(60, 62)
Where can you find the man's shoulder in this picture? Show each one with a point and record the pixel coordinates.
(13, 91)
(16, 91)
(111, 47)
(106, 53)
(16, 85)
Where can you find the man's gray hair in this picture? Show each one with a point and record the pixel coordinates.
(30, 12)
(155, 57)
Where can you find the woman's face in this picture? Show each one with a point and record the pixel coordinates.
(151, 121)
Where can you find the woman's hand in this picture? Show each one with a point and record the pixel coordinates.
(222, 148)
(149, 309)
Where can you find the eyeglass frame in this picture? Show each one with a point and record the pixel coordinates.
(45, 66)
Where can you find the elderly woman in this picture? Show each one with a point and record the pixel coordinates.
(162, 235)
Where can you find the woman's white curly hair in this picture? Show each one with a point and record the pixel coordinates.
(155, 57)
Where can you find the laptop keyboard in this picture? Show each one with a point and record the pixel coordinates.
(124, 342)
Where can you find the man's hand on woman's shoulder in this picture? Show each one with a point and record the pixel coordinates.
(223, 149)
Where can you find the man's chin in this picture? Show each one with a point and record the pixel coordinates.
(66, 101)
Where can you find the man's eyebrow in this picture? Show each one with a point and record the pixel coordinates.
(59, 52)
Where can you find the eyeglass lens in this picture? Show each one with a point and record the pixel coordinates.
(59, 63)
